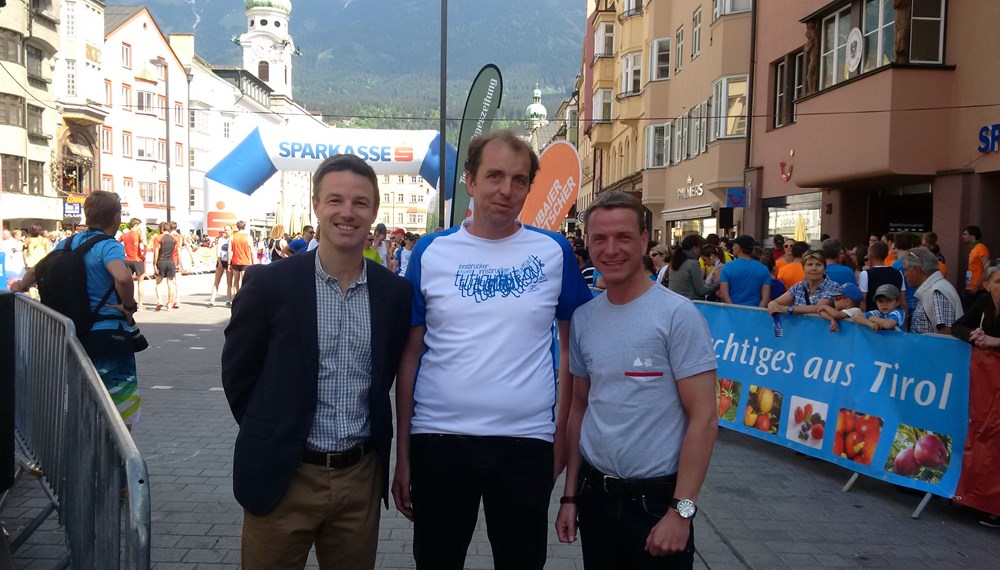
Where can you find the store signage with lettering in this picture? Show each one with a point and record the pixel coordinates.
(691, 190)
(71, 210)
(989, 138)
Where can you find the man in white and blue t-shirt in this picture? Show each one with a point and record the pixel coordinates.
(476, 393)
(643, 419)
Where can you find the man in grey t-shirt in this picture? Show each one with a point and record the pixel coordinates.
(643, 419)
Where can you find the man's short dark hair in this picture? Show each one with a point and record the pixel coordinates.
(173, 226)
(889, 237)
(345, 163)
(613, 200)
(799, 248)
(713, 239)
(831, 248)
(878, 251)
(241, 225)
(975, 232)
(134, 222)
(906, 240)
(779, 239)
(101, 207)
(307, 229)
(507, 137)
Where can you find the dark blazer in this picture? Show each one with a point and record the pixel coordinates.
(270, 368)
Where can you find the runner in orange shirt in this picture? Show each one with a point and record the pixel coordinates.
(134, 241)
(240, 254)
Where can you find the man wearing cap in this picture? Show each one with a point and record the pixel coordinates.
(888, 315)
(938, 304)
(403, 253)
(744, 280)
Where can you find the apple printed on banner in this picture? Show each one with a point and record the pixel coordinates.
(555, 187)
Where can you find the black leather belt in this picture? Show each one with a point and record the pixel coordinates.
(338, 460)
(654, 488)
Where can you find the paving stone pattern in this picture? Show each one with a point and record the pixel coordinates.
(762, 506)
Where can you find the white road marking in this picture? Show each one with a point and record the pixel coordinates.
(216, 389)
(190, 334)
(197, 347)
(161, 388)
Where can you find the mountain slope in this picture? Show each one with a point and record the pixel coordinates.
(370, 59)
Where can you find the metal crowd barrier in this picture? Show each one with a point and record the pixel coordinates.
(71, 436)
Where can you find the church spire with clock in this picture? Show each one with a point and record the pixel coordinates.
(267, 47)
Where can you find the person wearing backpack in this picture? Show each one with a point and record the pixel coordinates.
(85, 278)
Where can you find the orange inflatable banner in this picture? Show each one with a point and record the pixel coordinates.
(555, 188)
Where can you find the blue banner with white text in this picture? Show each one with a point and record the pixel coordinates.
(887, 404)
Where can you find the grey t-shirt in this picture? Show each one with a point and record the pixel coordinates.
(634, 354)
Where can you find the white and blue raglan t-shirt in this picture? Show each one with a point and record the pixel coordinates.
(488, 308)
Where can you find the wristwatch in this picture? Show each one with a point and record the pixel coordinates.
(791, 309)
(684, 507)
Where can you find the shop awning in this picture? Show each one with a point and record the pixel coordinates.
(79, 150)
(695, 213)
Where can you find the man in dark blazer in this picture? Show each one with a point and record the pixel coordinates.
(311, 352)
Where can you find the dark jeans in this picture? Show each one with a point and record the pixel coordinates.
(449, 474)
(613, 530)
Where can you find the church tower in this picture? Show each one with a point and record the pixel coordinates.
(267, 47)
(536, 112)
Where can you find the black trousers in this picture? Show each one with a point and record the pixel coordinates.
(450, 474)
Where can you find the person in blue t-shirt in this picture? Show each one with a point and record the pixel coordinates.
(833, 251)
(299, 244)
(777, 285)
(744, 280)
(888, 316)
(904, 242)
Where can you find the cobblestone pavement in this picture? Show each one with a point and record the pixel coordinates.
(762, 506)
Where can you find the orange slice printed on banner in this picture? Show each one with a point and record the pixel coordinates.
(555, 188)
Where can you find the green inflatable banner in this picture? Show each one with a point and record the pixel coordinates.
(480, 110)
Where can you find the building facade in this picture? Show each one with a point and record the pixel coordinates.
(29, 48)
(874, 116)
(405, 202)
(146, 131)
(668, 86)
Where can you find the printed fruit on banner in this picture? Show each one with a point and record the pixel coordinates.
(727, 394)
(807, 422)
(763, 410)
(857, 436)
(919, 454)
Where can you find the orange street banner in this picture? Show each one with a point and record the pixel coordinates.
(555, 187)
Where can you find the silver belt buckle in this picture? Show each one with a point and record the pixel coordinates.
(604, 481)
(328, 460)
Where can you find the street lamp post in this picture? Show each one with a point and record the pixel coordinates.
(162, 63)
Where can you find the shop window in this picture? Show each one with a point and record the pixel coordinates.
(795, 217)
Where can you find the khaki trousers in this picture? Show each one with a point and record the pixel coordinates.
(335, 509)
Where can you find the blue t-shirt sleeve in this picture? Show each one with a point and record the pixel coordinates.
(418, 315)
(574, 290)
(724, 275)
(898, 316)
